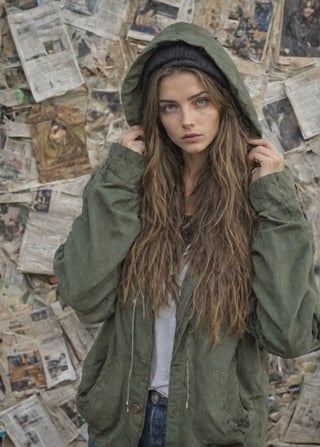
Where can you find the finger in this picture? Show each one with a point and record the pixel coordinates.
(133, 141)
(131, 134)
(265, 152)
(263, 166)
(137, 146)
(133, 131)
(260, 142)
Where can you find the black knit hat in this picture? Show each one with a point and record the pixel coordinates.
(180, 54)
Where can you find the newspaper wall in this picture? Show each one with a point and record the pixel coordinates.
(61, 69)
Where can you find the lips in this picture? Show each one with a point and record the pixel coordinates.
(191, 136)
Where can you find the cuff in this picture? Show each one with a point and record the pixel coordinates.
(125, 163)
(272, 190)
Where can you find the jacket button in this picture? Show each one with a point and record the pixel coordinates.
(135, 408)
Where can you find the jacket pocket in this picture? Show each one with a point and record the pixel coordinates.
(219, 415)
(101, 404)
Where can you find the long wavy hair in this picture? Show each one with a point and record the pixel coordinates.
(217, 255)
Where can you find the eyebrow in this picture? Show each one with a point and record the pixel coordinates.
(190, 97)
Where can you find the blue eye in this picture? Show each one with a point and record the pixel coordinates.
(202, 102)
(168, 108)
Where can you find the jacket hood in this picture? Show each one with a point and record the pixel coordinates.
(131, 94)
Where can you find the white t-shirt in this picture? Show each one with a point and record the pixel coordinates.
(164, 332)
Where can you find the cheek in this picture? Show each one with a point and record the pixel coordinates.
(215, 118)
(167, 123)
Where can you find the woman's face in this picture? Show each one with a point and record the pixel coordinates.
(187, 113)
(308, 9)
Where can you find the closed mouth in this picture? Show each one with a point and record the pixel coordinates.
(190, 135)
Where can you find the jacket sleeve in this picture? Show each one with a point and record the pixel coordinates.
(287, 307)
(88, 264)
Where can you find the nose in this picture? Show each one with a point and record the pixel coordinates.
(187, 117)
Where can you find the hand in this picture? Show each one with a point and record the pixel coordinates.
(264, 159)
(133, 139)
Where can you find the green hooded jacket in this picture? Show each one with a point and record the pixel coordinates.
(217, 394)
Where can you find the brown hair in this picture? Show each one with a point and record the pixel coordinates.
(313, 4)
(218, 256)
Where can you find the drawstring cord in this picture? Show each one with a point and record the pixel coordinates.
(132, 352)
(188, 378)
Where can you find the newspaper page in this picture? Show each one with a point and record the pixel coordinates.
(45, 50)
(29, 424)
(15, 129)
(104, 18)
(18, 169)
(39, 323)
(59, 142)
(56, 361)
(151, 17)
(47, 227)
(40, 241)
(13, 287)
(61, 405)
(303, 91)
(304, 426)
(80, 338)
(280, 118)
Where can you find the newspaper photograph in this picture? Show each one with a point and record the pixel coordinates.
(25, 368)
(300, 30)
(45, 50)
(29, 425)
(56, 361)
(153, 16)
(247, 28)
(59, 142)
(303, 91)
(280, 118)
(97, 16)
(12, 222)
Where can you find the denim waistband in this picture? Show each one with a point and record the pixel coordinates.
(157, 398)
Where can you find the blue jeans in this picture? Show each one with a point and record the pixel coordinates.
(154, 430)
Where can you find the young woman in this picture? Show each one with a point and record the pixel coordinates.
(193, 252)
(301, 36)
